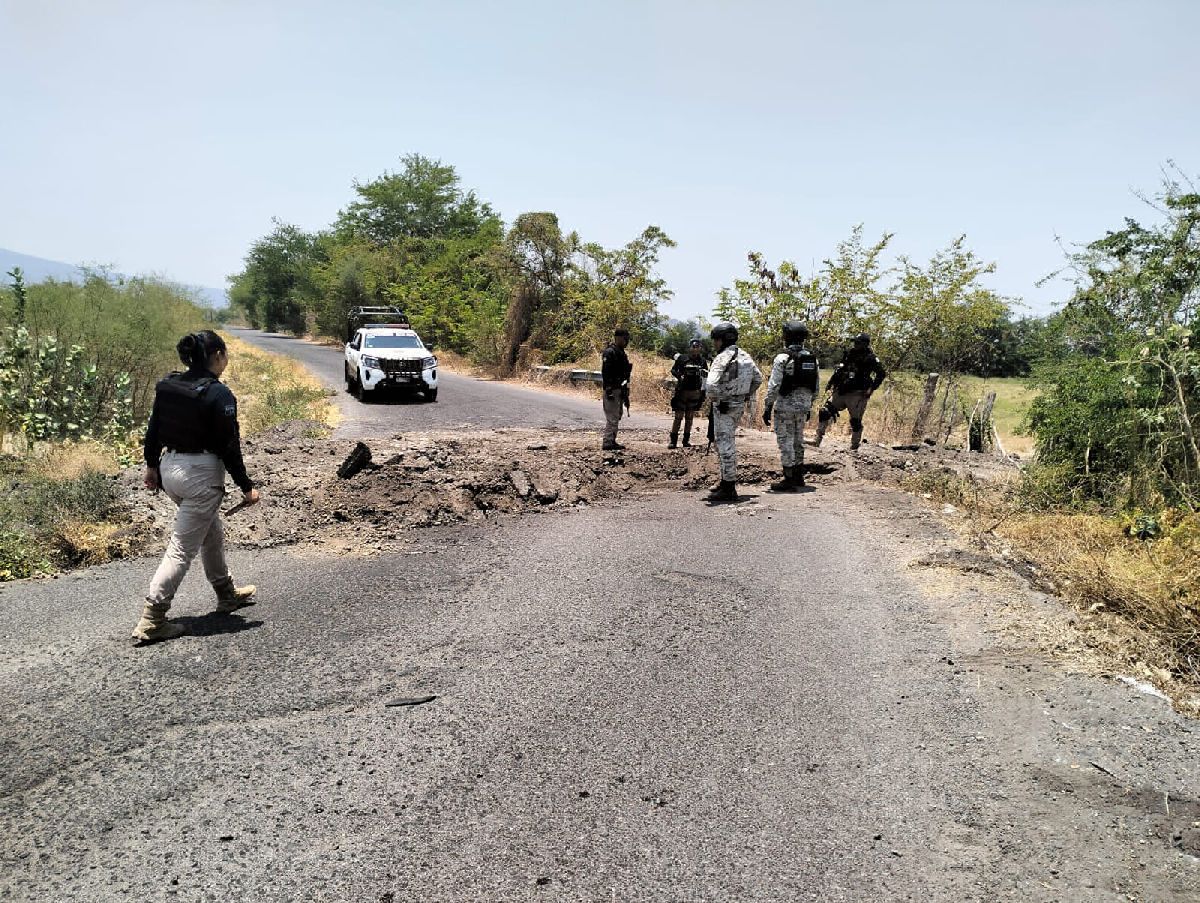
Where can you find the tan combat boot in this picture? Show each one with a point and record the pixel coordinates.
(230, 598)
(154, 625)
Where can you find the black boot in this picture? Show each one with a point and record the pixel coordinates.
(786, 484)
(725, 491)
(674, 443)
(798, 477)
(687, 438)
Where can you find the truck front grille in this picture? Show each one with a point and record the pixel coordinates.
(406, 366)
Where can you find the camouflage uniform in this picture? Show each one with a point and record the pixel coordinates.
(790, 411)
(732, 380)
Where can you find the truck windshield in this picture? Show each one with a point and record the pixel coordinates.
(393, 341)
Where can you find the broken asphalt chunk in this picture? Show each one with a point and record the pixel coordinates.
(355, 461)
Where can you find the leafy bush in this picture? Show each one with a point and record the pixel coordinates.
(1120, 416)
(81, 360)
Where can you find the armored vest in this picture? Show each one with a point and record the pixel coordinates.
(803, 373)
(181, 411)
(737, 374)
(693, 375)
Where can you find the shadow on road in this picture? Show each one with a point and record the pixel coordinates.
(742, 499)
(397, 398)
(215, 623)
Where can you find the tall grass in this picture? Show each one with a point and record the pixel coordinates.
(272, 389)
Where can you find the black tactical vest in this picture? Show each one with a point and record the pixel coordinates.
(182, 416)
(804, 372)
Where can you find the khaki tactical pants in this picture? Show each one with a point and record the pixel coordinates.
(196, 483)
(614, 406)
(690, 399)
(855, 404)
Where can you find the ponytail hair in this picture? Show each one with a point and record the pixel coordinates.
(196, 348)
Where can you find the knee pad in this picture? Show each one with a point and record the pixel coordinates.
(856, 424)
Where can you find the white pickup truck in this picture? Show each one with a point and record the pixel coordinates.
(389, 356)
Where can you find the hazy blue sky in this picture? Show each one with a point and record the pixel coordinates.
(163, 136)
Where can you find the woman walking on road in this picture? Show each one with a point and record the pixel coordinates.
(192, 440)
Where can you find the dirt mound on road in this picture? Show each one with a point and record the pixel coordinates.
(434, 478)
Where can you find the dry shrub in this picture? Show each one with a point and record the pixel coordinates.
(73, 460)
(1153, 584)
(84, 543)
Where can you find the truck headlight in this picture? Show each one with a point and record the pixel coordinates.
(371, 362)
(428, 363)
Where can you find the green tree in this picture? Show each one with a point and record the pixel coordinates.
(938, 315)
(424, 200)
(275, 286)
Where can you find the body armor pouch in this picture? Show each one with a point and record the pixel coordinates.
(738, 377)
(803, 375)
(182, 425)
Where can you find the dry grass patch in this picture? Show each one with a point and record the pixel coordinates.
(646, 390)
(272, 389)
(73, 460)
(1138, 599)
(1152, 585)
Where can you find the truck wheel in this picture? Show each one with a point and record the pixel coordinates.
(361, 392)
(349, 381)
(431, 394)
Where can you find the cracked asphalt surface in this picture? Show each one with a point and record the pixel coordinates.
(643, 700)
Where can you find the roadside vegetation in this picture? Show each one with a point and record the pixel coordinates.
(78, 364)
(272, 389)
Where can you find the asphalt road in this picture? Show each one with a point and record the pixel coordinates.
(463, 401)
(651, 700)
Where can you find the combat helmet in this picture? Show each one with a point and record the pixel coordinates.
(726, 332)
(794, 333)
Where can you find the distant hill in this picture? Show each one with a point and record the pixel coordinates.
(39, 269)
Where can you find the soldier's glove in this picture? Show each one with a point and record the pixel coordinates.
(767, 416)
(723, 407)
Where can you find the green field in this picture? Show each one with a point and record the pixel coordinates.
(1014, 395)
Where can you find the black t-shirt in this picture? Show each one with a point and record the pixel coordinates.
(858, 372)
(615, 367)
(195, 412)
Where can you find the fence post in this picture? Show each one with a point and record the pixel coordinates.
(931, 383)
(979, 430)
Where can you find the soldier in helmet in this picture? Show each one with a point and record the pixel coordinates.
(689, 371)
(615, 371)
(732, 380)
(790, 392)
(852, 383)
